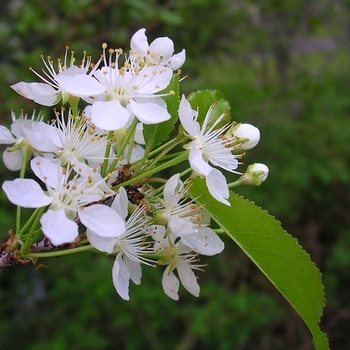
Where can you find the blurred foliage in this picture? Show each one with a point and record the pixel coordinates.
(283, 66)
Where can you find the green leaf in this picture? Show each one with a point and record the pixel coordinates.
(277, 254)
(157, 133)
(202, 100)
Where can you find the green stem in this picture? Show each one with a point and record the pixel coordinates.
(142, 161)
(131, 143)
(162, 147)
(18, 222)
(153, 153)
(34, 233)
(84, 248)
(175, 142)
(29, 221)
(107, 153)
(130, 133)
(219, 231)
(236, 183)
(156, 169)
(26, 153)
(30, 241)
(163, 150)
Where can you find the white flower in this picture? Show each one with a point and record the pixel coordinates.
(66, 198)
(19, 136)
(71, 139)
(255, 174)
(51, 91)
(176, 256)
(245, 136)
(129, 246)
(186, 220)
(159, 52)
(208, 146)
(123, 91)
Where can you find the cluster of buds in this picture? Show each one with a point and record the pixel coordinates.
(99, 182)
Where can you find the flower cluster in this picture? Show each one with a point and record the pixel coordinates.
(99, 173)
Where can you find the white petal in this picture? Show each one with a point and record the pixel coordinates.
(157, 232)
(170, 284)
(39, 140)
(41, 93)
(6, 136)
(180, 227)
(249, 132)
(152, 79)
(229, 164)
(120, 203)
(256, 173)
(72, 71)
(110, 115)
(177, 60)
(139, 42)
(161, 50)
(187, 277)
(188, 117)
(20, 125)
(12, 159)
(51, 133)
(104, 244)
(183, 248)
(86, 171)
(217, 186)
(80, 85)
(134, 268)
(149, 113)
(171, 188)
(139, 138)
(121, 276)
(47, 171)
(102, 220)
(58, 228)
(198, 164)
(26, 193)
(151, 99)
(204, 241)
(108, 75)
(87, 112)
(223, 158)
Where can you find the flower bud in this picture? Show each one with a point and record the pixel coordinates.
(247, 135)
(255, 174)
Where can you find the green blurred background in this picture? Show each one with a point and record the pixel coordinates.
(285, 67)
